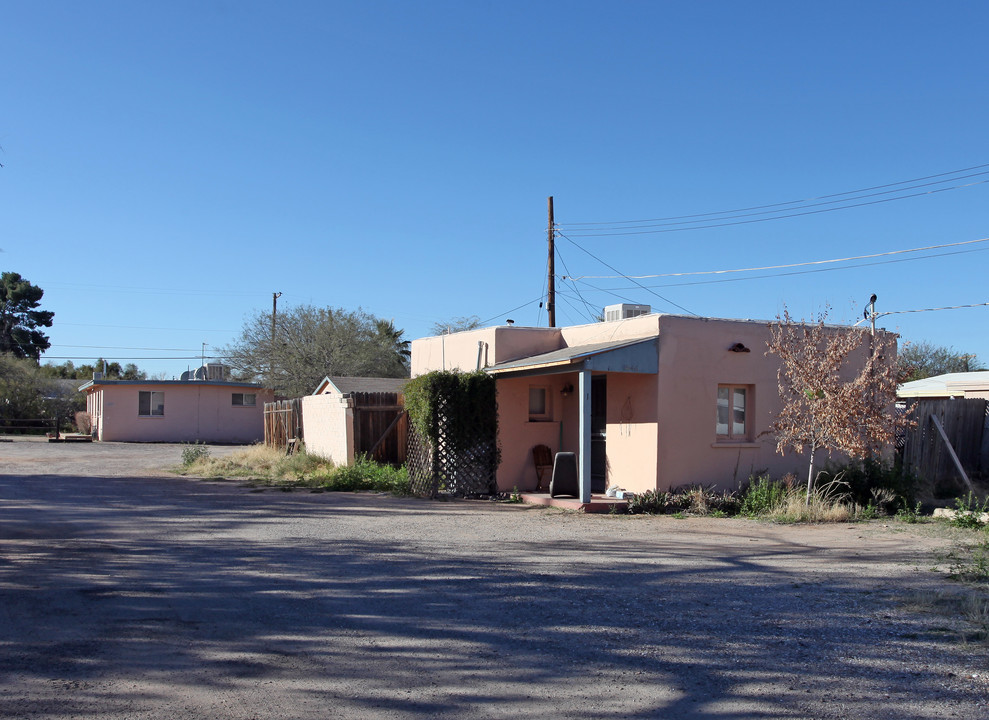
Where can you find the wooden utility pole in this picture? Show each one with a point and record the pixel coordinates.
(551, 295)
(274, 314)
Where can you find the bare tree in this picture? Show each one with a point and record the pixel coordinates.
(456, 324)
(838, 387)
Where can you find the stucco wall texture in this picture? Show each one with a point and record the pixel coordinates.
(661, 426)
(193, 412)
(329, 423)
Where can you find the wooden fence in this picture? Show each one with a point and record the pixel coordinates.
(964, 423)
(282, 422)
(381, 426)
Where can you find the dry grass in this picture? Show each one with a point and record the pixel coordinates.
(965, 610)
(260, 462)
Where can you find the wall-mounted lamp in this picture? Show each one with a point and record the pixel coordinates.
(566, 390)
(738, 347)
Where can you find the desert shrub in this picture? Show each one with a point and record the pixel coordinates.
(650, 502)
(700, 500)
(194, 452)
(866, 478)
(694, 500)
(84, 423)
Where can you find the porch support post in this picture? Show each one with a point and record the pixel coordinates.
(584, 472)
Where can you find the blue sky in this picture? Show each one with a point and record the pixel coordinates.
(168, 166)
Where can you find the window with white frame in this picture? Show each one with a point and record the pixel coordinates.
(244, 399)
(539, 408)
(734, 402)
(150, 403)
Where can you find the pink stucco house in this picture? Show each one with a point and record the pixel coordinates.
(213, 411)
(649, 402)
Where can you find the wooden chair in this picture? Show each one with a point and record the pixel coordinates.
(542, 458)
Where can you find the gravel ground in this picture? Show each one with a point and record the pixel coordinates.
(126, 593)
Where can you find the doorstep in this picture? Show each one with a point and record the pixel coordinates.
(598, 503)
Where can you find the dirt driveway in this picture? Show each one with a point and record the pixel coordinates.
(131, 595)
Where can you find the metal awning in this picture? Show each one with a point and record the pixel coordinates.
(640, 355)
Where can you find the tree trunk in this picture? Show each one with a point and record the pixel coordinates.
(810, 472)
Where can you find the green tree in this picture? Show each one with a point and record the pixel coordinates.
(923, 359)
(311, 343)
(20, 318)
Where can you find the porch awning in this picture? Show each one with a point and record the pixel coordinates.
(640, 355)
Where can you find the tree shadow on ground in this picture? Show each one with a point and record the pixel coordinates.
(118, 593)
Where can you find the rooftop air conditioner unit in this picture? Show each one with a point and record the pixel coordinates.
(624, 311)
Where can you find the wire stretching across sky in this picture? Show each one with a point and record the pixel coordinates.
(790, 209)
(777, 267)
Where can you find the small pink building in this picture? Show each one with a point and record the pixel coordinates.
(649, 402)
(212, 411)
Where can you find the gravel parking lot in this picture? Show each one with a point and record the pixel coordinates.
(128, 593)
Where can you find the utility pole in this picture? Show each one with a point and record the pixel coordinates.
(274, 314)
(870, 314)
(551, 295)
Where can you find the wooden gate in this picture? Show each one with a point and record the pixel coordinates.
(381, 426)
(282, 422)
(926, 451)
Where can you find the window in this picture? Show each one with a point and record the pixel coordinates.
(538, 404)
(245, 399)
(733, 402)
(150, 403)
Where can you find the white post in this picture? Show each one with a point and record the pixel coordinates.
(584, 472)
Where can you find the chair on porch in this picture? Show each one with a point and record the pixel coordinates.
(542, 458)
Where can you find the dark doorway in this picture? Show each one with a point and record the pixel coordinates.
(599, 433)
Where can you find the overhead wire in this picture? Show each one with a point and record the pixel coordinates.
(780, 267)
(587, 307)
(795, 272)
(777, 217)
(789, 202)
(640, 285)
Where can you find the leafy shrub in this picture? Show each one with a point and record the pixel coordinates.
(194, 452)
(969, 511)
(761, 495)
(909, 514)
(366, 475)
(866, 478)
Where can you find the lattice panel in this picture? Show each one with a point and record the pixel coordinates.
(466, 471)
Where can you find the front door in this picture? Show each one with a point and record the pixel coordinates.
(599, 433)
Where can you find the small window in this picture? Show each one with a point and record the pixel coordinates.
(538, 404)
(733, 403)
(150, 403)
(245, 399)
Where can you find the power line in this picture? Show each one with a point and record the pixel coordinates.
(920, 310)
(577, 289)
(648, 290)
(789, 202)
(117, 347)
(777, 217)
(502, 314)
(779, 267)
(796, 272)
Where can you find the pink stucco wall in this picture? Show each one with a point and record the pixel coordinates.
(329, 423)
(194, 411)
(660, 427)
